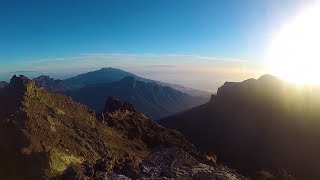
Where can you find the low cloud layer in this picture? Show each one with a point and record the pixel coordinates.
(195, 71)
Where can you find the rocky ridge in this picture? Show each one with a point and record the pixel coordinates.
(49, 136)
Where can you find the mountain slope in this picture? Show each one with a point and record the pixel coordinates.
(258, 124)
(107, 75)
(152, 99)
(49, 136)
(49, 132)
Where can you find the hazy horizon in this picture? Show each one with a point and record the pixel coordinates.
(206, 73)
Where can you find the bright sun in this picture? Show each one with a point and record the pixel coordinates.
(294, 54)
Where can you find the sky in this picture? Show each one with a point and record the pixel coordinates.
(198, 43)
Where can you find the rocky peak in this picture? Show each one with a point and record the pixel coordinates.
(22, 84)
(114, 104)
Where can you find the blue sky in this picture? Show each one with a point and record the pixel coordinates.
(49, 36)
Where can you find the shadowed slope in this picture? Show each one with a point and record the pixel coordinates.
(258, 124)
(150, 98)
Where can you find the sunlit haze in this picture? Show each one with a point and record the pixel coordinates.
(294, 54)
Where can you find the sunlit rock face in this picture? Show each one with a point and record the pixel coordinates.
(258, 124)
(42, 133)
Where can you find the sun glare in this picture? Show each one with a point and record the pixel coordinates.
(294, 54)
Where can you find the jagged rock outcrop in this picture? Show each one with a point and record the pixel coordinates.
(50, 84)
(49, 136)
(114, 104)
(258, 124)
(123, 117)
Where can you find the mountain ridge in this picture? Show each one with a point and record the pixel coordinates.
(162, 99)
(50, 84)
(154, 100)
(107, 75)
(53, 137)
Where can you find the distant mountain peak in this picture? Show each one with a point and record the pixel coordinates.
(44, 78)
(270, 79)
(267, 76)
(107, 68)
(110, 74)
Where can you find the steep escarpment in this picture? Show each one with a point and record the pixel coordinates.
(45, 135)
(258, 124)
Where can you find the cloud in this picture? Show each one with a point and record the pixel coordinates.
(23, 72)
(87, 61)
(160, 66)
(86, 56)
